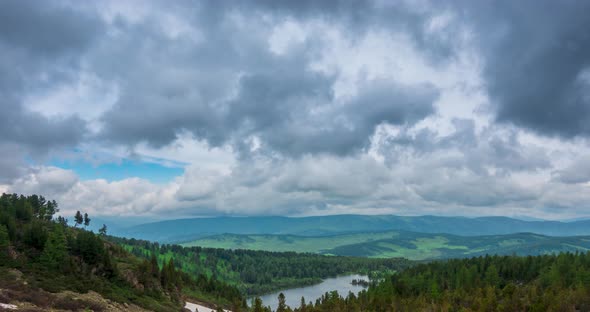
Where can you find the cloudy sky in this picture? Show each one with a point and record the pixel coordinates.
(198, 108)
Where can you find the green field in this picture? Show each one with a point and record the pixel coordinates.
(413, 246)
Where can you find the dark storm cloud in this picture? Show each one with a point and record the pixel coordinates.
(180, 85)
(46, 28)
(40, 44)
(12, 156)
(305, 119)
(537, 62)
(36, 132)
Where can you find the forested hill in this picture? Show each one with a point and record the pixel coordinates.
(260, 272)
(49, 265)
(509, 283)
(184, 230)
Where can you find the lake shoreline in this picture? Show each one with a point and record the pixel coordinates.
(342, 284)
(321, 280)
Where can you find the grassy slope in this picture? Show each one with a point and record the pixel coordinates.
(414, 246)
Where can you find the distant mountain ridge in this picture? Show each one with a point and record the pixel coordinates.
(395, 244)
(184, 230)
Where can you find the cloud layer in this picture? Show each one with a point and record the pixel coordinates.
(306, 107)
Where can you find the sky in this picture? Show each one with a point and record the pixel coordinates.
(169, 109)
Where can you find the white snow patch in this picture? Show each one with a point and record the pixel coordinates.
(199, 308)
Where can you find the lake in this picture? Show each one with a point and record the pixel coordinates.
(311, 293)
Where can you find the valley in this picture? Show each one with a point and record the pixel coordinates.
(294, 156)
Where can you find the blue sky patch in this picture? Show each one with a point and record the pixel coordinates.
(123, 169)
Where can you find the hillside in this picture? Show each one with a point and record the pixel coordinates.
(259, 272)
(185, 230)
(45, 265)
(410, 245)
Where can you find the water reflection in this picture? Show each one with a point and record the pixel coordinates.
(342, 284)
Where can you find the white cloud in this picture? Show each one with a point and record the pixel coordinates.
(577, 172)
(46, 180)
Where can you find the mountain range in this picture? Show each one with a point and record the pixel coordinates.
(185, 230)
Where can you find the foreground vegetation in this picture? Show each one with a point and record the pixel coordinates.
(51, 265)
(491, 283)
(401, 244)
(41, 257)
(259, 272)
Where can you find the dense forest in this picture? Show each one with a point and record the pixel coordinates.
(259, 272)
(491, 283)
(41, 257)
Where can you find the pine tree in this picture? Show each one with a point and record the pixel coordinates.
(35, 235)
(434, 290)
(164, 279)
(103, 230)
(282, 305)
(55, 252)
(236, 306)
(108, 268)
(78, 218)
(51, 209)
(154, 266)
(63, 221)
(24, 209)
(86, 220)
(257, 306)
(491, 276)
(172, 274)
(168, 275)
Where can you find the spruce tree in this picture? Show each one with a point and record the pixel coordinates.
(86, 220)
(78, 218)
(282, 304)
(55, 252)
(109, 269)
(258, 305)
(103, 230)
(63, 221)
(154, 266)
